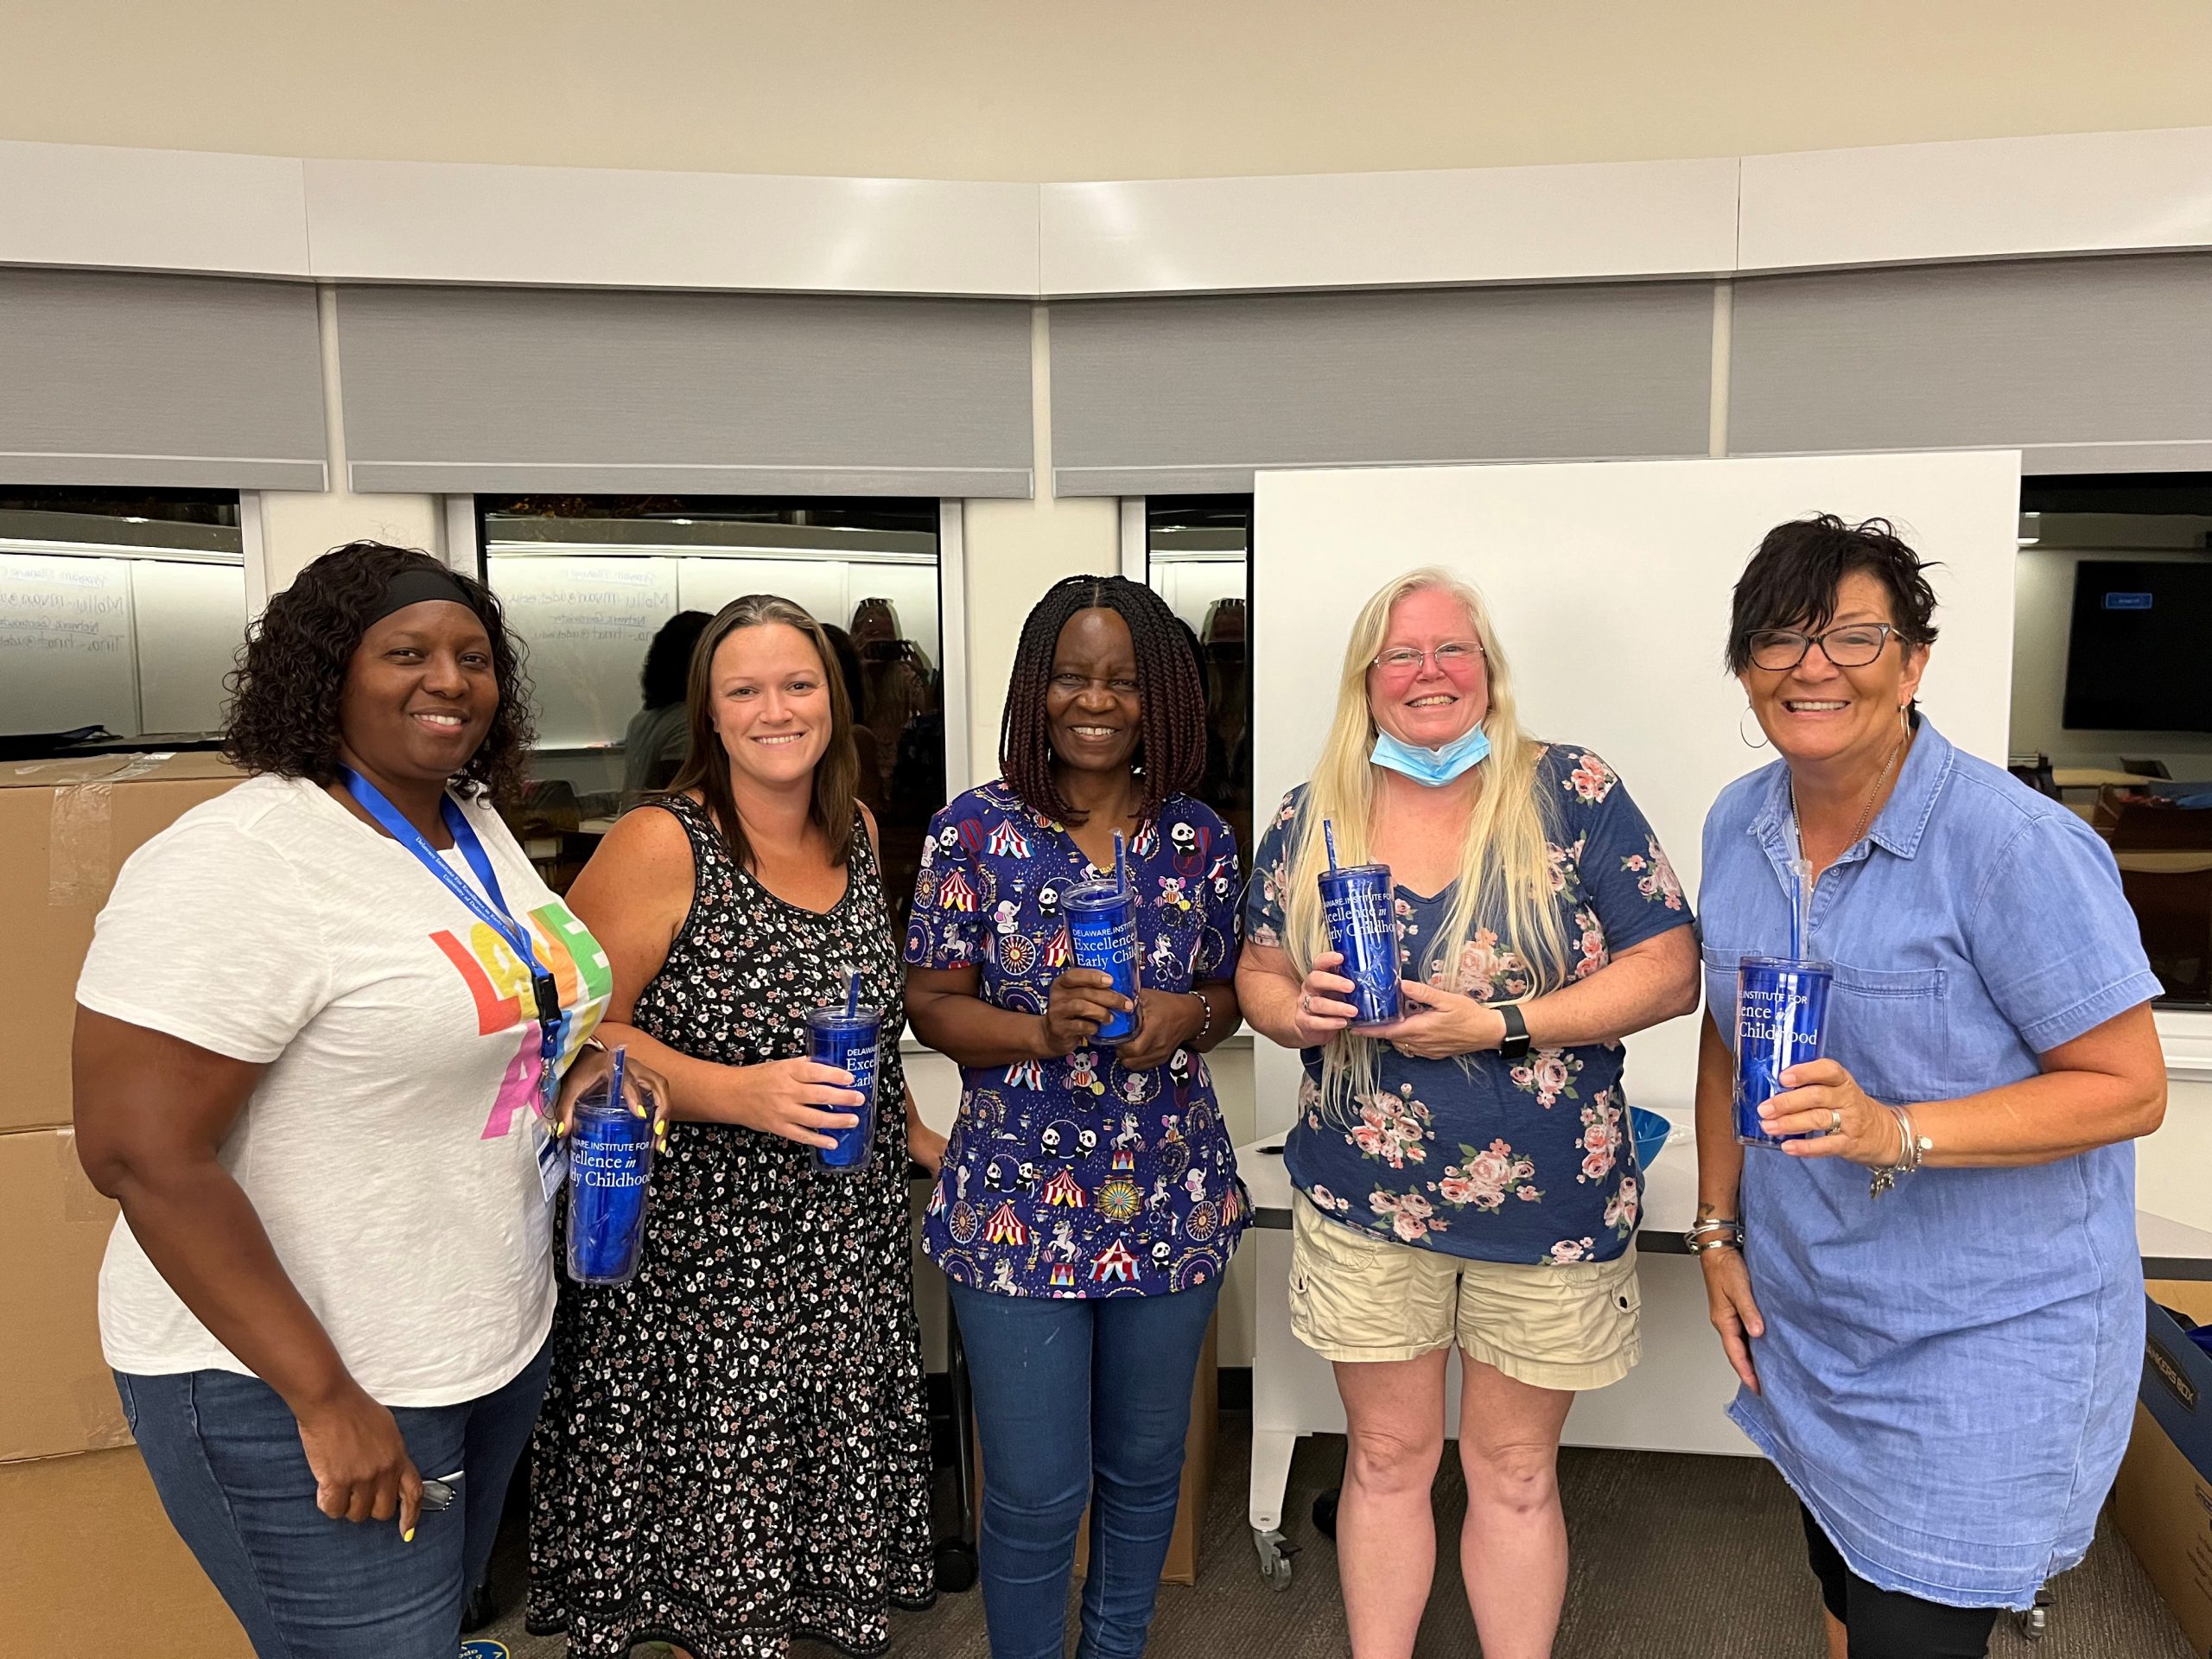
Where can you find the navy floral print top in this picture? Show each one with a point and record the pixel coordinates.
(1530, 1161)
(1072, 1177)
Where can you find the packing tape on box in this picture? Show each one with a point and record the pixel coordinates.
(100, 1408)
(80, 857)
(82, 1202)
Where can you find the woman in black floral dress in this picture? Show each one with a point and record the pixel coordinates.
(735, 1446)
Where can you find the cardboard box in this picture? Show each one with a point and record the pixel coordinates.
(2163, 1499)
(1182, 1564)
(68, 825)
(55, 1393)
(91, 1566)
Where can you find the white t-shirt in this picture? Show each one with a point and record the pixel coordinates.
(391, 1147)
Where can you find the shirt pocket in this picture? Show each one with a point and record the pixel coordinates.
(1889, 1029)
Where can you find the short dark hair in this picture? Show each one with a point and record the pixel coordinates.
(290, 678)
(667, 671)
(1172, 741)
(1791, 581)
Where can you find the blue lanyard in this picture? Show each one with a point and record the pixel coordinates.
(545, 992)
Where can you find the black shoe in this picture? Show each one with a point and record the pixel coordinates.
(479, 1609)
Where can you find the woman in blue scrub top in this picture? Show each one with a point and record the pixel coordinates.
(1935, 1300)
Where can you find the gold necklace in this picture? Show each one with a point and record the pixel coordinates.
(1866, 809)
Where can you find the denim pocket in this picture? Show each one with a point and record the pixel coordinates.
(1889, 1025)
(130, 1399)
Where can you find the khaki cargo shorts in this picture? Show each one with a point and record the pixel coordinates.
(1357, 1297)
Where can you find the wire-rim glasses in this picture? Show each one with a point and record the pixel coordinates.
(1852, 645)
(1453, 657)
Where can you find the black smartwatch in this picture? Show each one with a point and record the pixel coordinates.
(1516, 1046)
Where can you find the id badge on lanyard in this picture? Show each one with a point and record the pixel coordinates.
(489, 907)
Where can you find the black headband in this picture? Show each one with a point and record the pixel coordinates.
(415, 584)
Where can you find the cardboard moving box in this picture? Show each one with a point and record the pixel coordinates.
(1181, 1566)
(90, 1565)
(68, 826)
(55, 1393)
(2162, 1500)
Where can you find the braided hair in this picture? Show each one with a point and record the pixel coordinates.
(1171, 752)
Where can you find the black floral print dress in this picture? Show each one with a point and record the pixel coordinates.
(734, 1447)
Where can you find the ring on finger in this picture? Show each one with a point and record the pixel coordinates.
(1835, 1122)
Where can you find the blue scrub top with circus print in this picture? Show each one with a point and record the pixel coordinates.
(1529, 1161)
(1072, 1177)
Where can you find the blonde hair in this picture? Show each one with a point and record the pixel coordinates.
(1505, 863)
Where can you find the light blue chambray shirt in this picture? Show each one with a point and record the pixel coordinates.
(1949, 1372)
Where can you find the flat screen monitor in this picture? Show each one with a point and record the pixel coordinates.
(2140, 658)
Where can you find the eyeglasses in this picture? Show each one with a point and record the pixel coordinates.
(1453, 657)
(1854, 645)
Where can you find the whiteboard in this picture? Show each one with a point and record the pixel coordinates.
(1609, 585)
(65, 644)
(585, 623)
(190, 621)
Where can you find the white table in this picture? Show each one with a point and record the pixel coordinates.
(1672, 1401)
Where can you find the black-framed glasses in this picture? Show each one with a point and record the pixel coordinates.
(1852, 645)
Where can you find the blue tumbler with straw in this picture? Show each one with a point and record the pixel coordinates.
(1781, 1005)
(848, 1038)
(1358, 906)
(1102, 935)
(610, 1161)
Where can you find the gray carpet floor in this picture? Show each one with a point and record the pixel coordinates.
(1673, 1558)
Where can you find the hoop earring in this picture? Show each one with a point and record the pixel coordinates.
(1746, 742)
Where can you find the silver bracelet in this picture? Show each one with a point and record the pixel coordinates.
(1912, 1148)
(1727, 1234)
(1205, 1022)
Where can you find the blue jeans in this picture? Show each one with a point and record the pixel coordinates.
(225, 1453)
(1079, 1402)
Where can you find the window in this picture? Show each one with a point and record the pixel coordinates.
(2112, 607)
(1199, 558)
(590, 582)
(121, 611)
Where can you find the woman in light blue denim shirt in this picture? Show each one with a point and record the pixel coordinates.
(1935, 1301)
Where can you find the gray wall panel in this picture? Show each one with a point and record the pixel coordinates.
(2104, 354)
(110, 378)
(1200, 392)
(465, 389)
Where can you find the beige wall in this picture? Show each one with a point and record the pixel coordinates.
(1044, 89)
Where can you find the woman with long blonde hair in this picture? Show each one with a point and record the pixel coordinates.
(1464, 1174)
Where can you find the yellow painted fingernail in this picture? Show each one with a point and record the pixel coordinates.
(407, 1536)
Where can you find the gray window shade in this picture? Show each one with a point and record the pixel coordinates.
(200, 382)
(518, 389)
(1171, 395)
(2089, 365)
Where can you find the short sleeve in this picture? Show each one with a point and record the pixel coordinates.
(1265, 910)
(1625, 876)
(2053, 937)
(212, 937)
(946, 928)
(1216, 956)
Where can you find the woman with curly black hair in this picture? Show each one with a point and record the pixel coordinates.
(324, 1023)
(1089, 1201)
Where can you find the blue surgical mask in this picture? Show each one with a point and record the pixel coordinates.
(1435, 768)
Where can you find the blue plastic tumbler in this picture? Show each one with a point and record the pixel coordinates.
(847, 1040)
(610, 1160)
(1781, 1009)
(1358, 904)
(1103, 933)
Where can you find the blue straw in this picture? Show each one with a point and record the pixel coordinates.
(614, 1083)
(1801, 872)
(1329, 835)
(853, 994)
(1121, 864)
